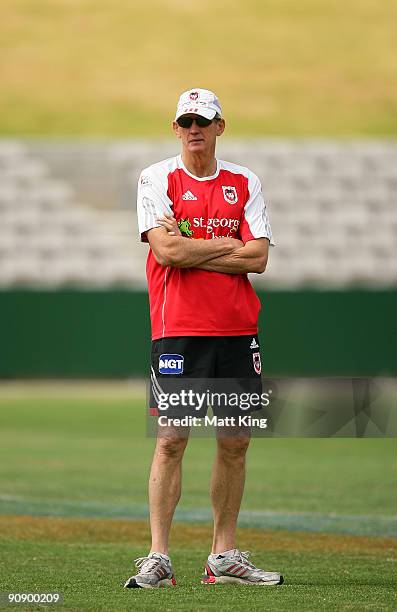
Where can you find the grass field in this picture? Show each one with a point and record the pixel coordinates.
(73, 472)
(280, 67)
(87, 561)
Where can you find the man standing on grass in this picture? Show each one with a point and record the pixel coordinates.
(206, 223)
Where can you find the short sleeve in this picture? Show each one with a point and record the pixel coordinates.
(255, 222)
(152, 200)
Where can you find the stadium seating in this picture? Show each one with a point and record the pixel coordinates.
(67, 211)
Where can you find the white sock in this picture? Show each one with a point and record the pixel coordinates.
(226, 553)
(162, 555)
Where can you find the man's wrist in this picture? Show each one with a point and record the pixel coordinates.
(226, 246)
(234, 244)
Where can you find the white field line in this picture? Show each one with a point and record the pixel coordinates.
(85, 389)
(97, 389)
(381, 525)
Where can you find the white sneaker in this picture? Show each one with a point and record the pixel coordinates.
(235, 567)
(155, 571)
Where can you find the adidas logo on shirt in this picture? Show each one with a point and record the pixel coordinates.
(254, 344)
(188, 195)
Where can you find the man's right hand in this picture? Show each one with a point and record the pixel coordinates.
(169, 223)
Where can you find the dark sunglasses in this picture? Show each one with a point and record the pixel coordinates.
(187, 122)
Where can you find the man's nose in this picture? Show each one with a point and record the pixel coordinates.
(194, 127)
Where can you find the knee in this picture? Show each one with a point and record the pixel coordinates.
(233, 449)
(171, 448)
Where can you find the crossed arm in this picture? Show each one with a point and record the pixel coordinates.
(227, 255)
(249, 257)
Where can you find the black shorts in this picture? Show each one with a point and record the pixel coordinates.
(227, 365)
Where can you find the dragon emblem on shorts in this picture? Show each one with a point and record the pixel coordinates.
(256, 358)
(184, 226)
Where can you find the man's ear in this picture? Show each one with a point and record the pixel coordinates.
(221, 127)
(175, 127)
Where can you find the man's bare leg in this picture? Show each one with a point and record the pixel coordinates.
(165, 486)
(227, 486)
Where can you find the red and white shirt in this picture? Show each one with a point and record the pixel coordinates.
(189, 301)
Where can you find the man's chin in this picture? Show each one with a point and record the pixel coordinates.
(198, 145)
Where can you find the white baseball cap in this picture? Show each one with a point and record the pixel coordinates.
(200, 102)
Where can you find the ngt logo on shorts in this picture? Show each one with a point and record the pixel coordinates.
(170, 364)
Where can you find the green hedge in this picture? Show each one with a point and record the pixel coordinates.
(90, 334)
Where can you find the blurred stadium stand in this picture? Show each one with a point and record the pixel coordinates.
(68, 219)
(73, 299)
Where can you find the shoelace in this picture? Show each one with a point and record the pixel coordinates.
(145, 564)
(242, 557)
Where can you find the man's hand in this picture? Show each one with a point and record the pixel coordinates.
(169, 223)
